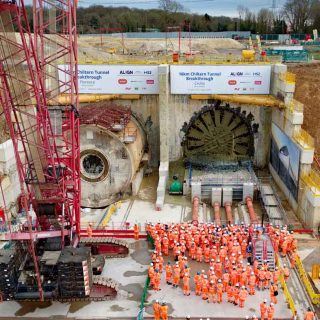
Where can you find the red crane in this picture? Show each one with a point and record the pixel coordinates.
(46, 139)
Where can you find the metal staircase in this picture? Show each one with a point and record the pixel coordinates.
(263, 250)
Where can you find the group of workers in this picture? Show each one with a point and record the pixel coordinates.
(232, 275)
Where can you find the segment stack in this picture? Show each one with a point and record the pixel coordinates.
(75, 272)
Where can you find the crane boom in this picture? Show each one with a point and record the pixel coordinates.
(46, 139)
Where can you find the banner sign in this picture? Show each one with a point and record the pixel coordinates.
(220, 79)
(114, 79)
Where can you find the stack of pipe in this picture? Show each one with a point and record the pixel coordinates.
(228, 209)
(195, 210)
(217, 215)
(252, 213)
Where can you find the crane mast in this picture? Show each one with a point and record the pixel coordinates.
(36, 65)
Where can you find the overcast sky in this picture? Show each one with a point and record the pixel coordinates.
(212, 7)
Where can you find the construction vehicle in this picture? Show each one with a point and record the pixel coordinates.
(45, 239)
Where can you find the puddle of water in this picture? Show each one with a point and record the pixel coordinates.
(28, 306)
(116, 308)
(135, 273)
(78, 305)
(134, 290)
(140, 255)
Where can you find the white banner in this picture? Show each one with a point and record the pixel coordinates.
(220, 79)
(115, 79)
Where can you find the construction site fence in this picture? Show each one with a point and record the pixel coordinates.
(290, 55)
(314, 297)
(146, 286)
(140, 315)
(286, 292)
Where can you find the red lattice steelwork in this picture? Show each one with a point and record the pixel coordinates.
(111, 116)
(45, 139)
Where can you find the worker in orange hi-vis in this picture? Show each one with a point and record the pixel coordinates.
(218, 269)
(263, 309)
(293, 259)
(233, 276)
(229, 291)
(186, 285)
(164, 311)
(244, 277)
(309, 315)
(211, 292)
(165, 246)
(284, 247)
(242, 296)
(262, 277)
(192, 251)
(156, 310)
(225, 281)
(176, 275)
(199, 254)
(136, 231)
(286, 272)
(157, 279)
(270, 312)
(273, 293)
(236, 294)
(268, 277)
(89, 230)
(169, 273)
(198, 284)
(206, 253)
(161, 261)
(252, 284)
(151, 273)
(219, 291)
(223, 254)
(276, 275)
(204, 288)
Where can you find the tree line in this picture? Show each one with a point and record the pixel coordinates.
(296, 16)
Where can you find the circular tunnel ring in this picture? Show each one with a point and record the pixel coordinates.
(94, 165)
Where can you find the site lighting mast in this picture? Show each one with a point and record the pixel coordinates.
(37, 65)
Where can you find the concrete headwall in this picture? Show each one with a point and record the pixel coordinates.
(307, 203)
(181, 108)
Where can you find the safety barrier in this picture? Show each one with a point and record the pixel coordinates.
(113, 208)
(286, 292)
(314, 297)
(305, 140)
(289, 55)
(143, 299)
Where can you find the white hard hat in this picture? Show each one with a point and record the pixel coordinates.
(265, 300)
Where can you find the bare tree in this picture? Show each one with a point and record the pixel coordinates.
(298, 14)
(265, 19)
(170, 6)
